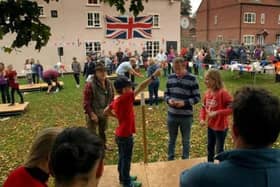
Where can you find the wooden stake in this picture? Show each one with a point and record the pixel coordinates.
(144, 127)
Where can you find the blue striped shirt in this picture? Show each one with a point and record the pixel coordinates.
(186, 89)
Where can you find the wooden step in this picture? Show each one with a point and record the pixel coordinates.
(36, 87)
(6, 110)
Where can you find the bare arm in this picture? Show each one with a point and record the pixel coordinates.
(133, 72)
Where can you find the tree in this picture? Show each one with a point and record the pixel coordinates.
(22, 18)
(186, 8)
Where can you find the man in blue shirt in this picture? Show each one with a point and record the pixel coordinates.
(254, 163)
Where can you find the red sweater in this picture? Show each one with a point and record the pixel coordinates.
(219, 102)
(21, 178)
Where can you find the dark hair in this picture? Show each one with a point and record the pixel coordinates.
(256, 115)
(75, 152)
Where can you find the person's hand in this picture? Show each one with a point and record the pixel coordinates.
(179, 104)
(157, 73)
(212, 114)
(94, 117)
(202, 123)
(171, 102)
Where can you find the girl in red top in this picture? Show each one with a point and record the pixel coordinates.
(215, 111)
(35, 171)
(12, 80)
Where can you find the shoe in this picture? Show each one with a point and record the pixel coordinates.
(22, 102)
(11, 104)
(78, 86)
(132, 178)
(136, 184)
(57, 90)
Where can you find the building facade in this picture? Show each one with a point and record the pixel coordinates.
(79, 27)
(249, 21)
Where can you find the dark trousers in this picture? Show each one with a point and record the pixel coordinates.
(77, 78)
(35, 78)
(100, 127)
(215, 139)
(153, 91)
(125, 147)
(4, 89)
(277, 77)
(169, 68)
(13, 95)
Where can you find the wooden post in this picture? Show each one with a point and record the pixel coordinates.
(144, 127)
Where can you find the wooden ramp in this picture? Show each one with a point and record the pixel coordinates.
(146, 94)
(36, 87)
(158, 174)
(6, 110)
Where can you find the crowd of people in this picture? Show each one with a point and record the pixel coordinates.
(74, 156)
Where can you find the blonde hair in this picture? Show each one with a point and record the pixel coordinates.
(152, 61)
(42, 146)
(216, 77)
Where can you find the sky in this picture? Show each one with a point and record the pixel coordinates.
(195, 4)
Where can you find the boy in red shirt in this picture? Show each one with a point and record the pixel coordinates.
(215, 111)
(122, 109)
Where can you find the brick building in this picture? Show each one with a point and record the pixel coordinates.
(249, 21)
(78, 26)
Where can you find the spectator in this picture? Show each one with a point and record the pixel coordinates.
(4, 86)
(243, 54)
(126, 68)
(145, 57)
(13, 83)
(154, 85)
(223, 54)
(39, 69)
(89, 65)
(76, 159)
(256, 116)
(28, 71)
(182, 92)
(98, 93)
(119, 55)
(76, 68)
(162, 59)
(214, 112)
(35, 171)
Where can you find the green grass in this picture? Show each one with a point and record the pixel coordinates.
(65, 109)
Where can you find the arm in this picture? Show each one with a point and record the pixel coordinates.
(227, 101)
(109, 112)
(146, 82)
(195, 94)
(133, 72)
(87, 98)
(202, 115)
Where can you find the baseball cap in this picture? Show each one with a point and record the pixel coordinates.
(122, 82)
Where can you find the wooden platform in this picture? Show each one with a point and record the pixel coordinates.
(36, 87)
(146, 94)
(16, 109)
(158, 174)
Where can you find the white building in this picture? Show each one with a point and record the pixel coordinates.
(79, 26)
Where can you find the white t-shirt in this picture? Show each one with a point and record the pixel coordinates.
(161, 57)
(123, 68)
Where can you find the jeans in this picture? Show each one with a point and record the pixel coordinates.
(184, 124)
(125, 147)
(35, 78)
(215, 138)
(4, 89)
(153, 91)
(13, 95)
(77, 78)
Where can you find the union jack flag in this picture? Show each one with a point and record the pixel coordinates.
(129, 27)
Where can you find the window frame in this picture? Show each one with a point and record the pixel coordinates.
(93, 19)
(220, 38)
(153, 15)
(278, 39)
(250, 13)
(262, 19)
(249, 35)
(52, 14)
(278, 19)
(93, 46)
(152, 53)
(42, 7)
(94, 4)
(215, 20)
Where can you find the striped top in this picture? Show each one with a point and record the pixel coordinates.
(186, 89)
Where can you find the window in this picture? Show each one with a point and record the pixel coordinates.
(41, 9)
(249, 17)
(155, 20)
(279, 19)
(152, 48)
(220, 38)
(93, 2)
(54, 14)
(92, 46)
(249, 39)
(262, 18)
(278, 39)
(260, 39)
(94, 19)
(216, 20)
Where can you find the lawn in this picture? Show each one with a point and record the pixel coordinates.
(65, 109)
